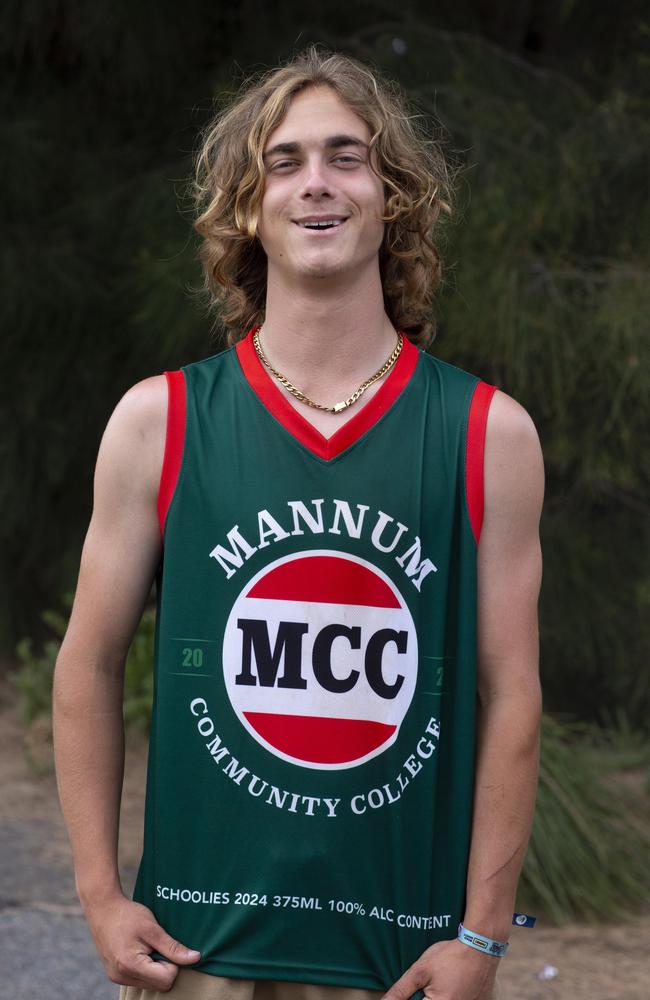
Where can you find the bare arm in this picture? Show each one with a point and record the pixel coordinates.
(121, 552)
(509, 579)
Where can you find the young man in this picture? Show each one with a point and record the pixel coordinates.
(344, 533)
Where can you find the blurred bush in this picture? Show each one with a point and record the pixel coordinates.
(546, 289)
(34, 676)
(588, 853)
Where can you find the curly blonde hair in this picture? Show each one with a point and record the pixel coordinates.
(228, 185)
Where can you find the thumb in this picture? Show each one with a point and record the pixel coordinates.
(157, 975)
(406, 986)
(166, 945)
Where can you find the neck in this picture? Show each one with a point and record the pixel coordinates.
(326, 336)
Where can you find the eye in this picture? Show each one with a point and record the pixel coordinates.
(280, 164)
(347, 158)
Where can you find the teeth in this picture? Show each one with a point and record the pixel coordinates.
(321, 225)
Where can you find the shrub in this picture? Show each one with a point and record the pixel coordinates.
(33, 679)
(586, 855)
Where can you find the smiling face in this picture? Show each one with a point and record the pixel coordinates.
(317, 170)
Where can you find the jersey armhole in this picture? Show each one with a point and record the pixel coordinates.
(475, 452)
(174, 441)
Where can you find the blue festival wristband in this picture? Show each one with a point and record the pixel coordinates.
(482, 943)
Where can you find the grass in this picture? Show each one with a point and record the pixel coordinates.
(588, 853)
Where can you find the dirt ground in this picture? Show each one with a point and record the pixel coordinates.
(590, 963)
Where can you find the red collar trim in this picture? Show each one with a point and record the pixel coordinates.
(266, 390)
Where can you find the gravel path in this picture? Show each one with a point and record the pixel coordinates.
(50, 955)
(47, 950)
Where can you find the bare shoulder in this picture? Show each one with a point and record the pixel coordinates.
(123, 545)
(143, 407)
(509, 423)
(513, 463)
(133, 442)
(509, 553)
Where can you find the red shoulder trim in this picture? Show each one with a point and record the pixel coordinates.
(174, 441)
(474, 455)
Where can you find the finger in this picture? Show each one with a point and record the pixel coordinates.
(406, 985)
(152, 975)
(166, 945)
(142, 972)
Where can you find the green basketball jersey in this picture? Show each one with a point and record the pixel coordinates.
(311, 760)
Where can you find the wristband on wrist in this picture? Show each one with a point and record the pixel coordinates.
(482, 943)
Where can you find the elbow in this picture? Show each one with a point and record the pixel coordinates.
(516, 710)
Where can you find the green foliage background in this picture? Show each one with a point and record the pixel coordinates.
(546, 293)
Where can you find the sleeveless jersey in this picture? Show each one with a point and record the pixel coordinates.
(311, 758)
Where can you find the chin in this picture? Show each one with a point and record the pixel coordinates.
(319, 268)
(326, 271)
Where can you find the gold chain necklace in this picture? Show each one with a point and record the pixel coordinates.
(338, 407)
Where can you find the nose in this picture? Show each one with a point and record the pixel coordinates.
(316, 183)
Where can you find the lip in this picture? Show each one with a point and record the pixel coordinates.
(321, 218)
(341, 219)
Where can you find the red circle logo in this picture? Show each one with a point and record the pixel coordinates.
(320, 659)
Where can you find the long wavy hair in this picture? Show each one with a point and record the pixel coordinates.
(228, 185)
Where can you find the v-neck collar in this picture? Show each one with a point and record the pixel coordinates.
(298, 426)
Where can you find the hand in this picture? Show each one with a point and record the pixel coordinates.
(125, 934)
(448, 970)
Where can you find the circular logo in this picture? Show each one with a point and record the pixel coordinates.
(520, 919)
(320, 659)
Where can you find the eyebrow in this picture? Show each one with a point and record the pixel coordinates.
(332, 142)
